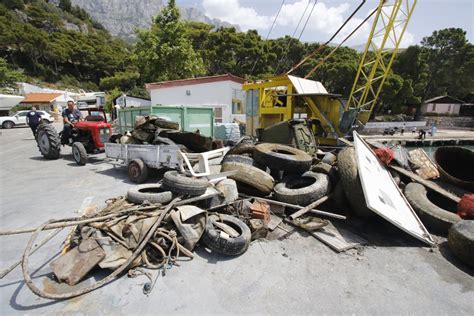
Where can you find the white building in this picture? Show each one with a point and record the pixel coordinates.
(442, 105)
(223, 92)
(128, 101)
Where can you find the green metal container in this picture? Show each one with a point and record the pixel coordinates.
(190, 119)
(126, 117)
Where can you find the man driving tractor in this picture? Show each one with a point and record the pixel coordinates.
(71, 115)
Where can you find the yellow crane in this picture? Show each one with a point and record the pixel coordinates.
(285, 97)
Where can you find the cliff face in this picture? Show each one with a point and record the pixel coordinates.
(122, 17)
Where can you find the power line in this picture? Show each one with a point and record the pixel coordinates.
(283, 57)
(328, 41)
(268, 35)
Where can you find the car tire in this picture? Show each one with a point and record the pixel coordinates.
(302, 190)
(242, 149)
(182, 184)
(8, 124)
(153, 193)
(250, 176)
(435, 218)
(48, 141)
(246, 160)
(349, 176)
(137, 171)
(79, 153)
(461, 241)
(282, 157)
(223, 243)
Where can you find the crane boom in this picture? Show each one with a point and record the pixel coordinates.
(388, 28)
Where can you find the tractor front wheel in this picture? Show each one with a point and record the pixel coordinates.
(48, 141)
(79, 153)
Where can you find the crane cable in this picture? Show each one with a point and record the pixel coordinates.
(340, 44)
(317, 50)
(268, 35)
(283, 57)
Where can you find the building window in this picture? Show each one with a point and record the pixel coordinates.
(237, 107)
(434, 107)
(188, 92)
(449, 108)
(218, 115)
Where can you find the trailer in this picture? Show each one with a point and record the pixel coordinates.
(139, 158)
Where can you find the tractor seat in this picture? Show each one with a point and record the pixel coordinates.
(94, 118)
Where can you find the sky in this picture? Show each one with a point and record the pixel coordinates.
(328, 15)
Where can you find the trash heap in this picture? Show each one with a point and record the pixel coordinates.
(262, 188)
(152, 130)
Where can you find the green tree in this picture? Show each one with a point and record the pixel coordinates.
(450, 65)
(8, 76)
(164, 52)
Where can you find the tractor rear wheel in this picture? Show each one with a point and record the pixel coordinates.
(79, 153)
(48, 141)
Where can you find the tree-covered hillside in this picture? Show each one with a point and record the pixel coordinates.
(58, 43)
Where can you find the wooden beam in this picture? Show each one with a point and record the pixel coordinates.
(428, 184)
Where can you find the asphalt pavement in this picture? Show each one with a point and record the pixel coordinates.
(293, 274)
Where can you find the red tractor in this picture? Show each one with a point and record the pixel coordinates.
(88, 137)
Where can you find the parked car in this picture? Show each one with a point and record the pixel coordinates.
(19, 119)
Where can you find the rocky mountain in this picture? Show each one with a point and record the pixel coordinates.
(122, 17)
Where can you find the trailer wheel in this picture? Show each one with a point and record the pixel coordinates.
(137, 171)
(79, 153)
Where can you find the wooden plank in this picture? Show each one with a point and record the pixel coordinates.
(428, 184)
(306, 209)
(338, 238)
(274, 222)
(313, 211)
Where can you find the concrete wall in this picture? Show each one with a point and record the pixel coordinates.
(441, 108)
(213, 94)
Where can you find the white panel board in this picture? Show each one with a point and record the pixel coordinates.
(307, 86)
(382, 194)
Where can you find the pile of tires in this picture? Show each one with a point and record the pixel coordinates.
(254, 165)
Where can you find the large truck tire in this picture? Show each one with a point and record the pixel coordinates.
(461, 241)
(48, 141)
(435, 218)
(250, 176)
(349, 176)
(223, 243)
(182, 184)
(302, 190)
(282, 157)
